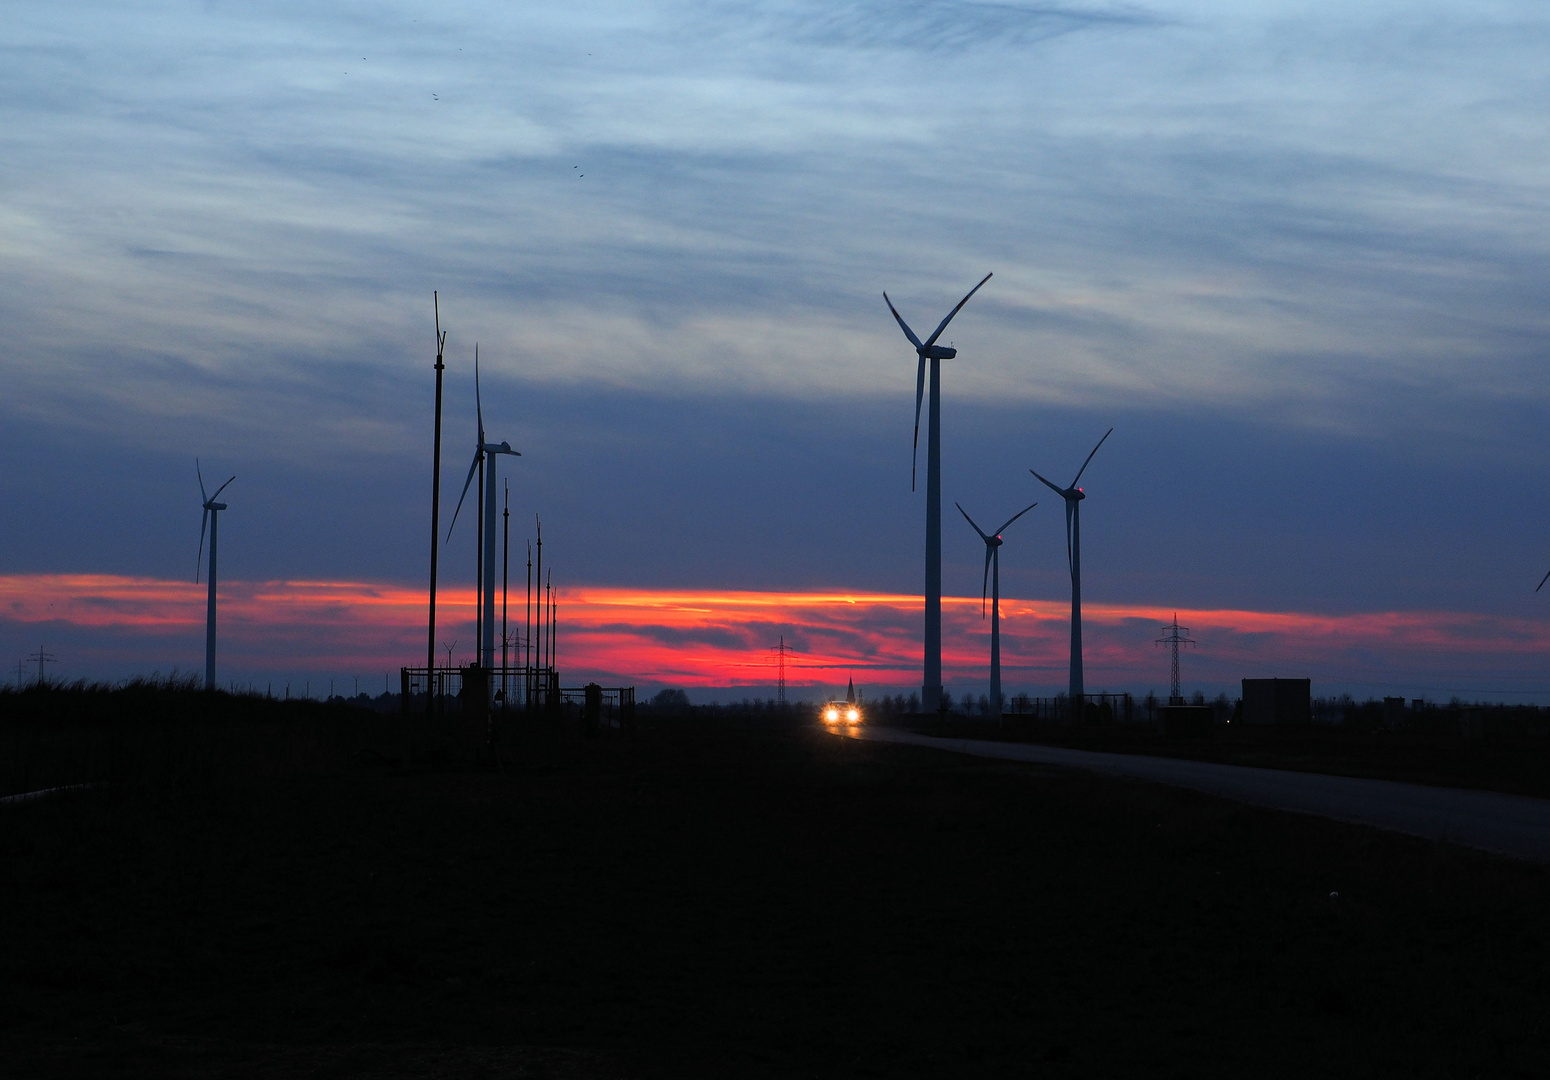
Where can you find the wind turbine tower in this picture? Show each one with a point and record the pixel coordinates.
(929, 350)
(482, 450)
(1073, 496)
(211, 517)
(993, 576)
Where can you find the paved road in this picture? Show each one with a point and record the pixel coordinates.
(1507, 824)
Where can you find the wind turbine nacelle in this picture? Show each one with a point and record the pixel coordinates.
(939, 352)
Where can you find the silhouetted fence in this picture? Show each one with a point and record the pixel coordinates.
(528, 689)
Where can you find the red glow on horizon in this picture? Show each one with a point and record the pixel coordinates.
(691, 637)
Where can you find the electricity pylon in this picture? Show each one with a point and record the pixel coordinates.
(1175, 635)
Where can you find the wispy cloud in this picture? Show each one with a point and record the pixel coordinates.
(669, 226)
(700, 638)
(1262, 207)
(946, 25)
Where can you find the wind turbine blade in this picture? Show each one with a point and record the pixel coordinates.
(478, 404)
(1015, 516)
(915, 341)
(1083, 469)
(202, 496)
(218, 491)
(920, 393)
(985, 583)
(1057, 490)
(970, 520)
(471, 470)
(932, 339)
(1070, 559)
(1540, 586)
(204, 519)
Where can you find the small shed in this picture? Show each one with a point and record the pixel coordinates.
(1277, 701)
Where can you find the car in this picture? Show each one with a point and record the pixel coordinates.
(836, 712)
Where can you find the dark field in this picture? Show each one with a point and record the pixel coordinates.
(252, 896)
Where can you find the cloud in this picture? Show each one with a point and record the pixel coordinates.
(705, 639)
(1297, 254)
(939, 26)
(1261, 207)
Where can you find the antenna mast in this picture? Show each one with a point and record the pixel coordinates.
(505, 563)
(1175, 635)
(430, 648)
(527, 640)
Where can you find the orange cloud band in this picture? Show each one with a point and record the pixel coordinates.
(710, 638)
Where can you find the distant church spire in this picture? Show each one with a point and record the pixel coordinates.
(850, 692)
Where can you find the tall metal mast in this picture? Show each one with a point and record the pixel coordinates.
(1175, 635)
(527, 638)
(430, 647)
(539, 525)
(505, 561)
(781, 651)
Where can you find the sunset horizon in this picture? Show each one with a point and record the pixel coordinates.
(704, 640)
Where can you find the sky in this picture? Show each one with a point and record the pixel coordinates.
(1294, 254)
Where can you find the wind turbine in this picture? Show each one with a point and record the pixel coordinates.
(210, 518)
(993, 574)
(1074, 496)
(931, 691)
(483, 450)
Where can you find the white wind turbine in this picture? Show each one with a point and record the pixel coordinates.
(993, 575)
(211, 518)
(1074, 496)
(931, 691)
(483, 449)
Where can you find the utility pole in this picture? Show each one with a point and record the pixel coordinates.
(1175, 635)
(539, 525)
(527, 638)
(430, 648)
(505, 561)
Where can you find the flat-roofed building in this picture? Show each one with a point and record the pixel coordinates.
(1277, 701)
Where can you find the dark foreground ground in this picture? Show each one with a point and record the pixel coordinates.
(253, 897)
(1511, 755)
